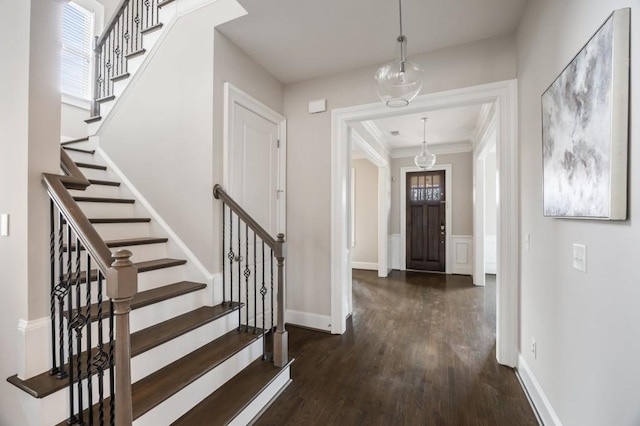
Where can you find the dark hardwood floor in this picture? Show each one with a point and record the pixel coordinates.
(419, 350)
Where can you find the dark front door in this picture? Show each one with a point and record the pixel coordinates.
(426, 225)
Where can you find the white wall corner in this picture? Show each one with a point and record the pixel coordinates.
(309, 320)
(462, 252)
(541, 405)
(34, 348)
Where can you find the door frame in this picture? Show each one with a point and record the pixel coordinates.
(232, 96)
(503, 94)
(448, 182)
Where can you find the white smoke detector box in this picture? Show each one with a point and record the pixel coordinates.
(319, 105)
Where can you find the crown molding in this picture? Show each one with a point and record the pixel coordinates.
(455, 147)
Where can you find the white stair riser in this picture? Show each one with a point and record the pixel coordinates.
(174, 407)
(154, 314)
(156, 358)
(116, 231)
(97, 210)
(167, 13)
(263, 399)
(97, 174)
(142, 253)
(160, 277)
(98, 191)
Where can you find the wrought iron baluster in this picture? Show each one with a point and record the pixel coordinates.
(271, 329)
(52, 277)
(255, 285)
(224, 275)
(89, 342)
(263, 292)
(60, 294)
(112, 381)
(146, 11)
(230, 256)
(239, 279)
(137, 20)
(77, 323)
(247, 274)
(69, 277)
(101, 359)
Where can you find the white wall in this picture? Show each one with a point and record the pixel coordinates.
(309, 152)
(29, 136)
(366, 214)
(585, 324)
(166, 135)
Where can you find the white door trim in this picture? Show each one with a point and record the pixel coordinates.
(384, 201)
(504, 95)
(232, 96)
(448, 187)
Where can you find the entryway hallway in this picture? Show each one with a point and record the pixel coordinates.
(419, 350)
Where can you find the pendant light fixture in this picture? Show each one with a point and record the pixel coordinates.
(425, 160)
(400, 81)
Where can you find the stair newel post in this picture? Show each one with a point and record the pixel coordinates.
(280, 340)
(122, 285)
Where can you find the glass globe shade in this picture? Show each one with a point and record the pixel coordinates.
(398, 83)
(425, 160)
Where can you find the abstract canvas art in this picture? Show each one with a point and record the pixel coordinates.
(585, 115)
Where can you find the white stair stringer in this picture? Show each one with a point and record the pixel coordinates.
(263, 400)
(151, 42)
(181, 402)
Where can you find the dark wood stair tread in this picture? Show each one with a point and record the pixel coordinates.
(127, 242)
(91, 166)
(84, 151)
(230, 399)
(162, 384)
(82, 199)
(74, 141)
(103, 182)
(102, 220)
(141, 341)
(146, 266)
(134, 54)
(151, 28)
(93, 119)
(106, 99)
(120, 77)
(147, 297)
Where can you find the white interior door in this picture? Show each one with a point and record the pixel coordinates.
(254, 167)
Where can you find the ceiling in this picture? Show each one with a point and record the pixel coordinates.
(297, 40)
(443, 126)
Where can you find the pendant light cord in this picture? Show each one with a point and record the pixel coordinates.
(400, 14)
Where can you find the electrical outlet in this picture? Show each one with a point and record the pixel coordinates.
(534, 348)
(4, 225)
(580, 257)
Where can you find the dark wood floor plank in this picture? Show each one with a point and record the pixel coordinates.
(419, 350)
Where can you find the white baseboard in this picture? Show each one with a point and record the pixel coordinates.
(35, 347)
(306, 319)
(462, 252)
(369, 266)
(191, 257)
(536, 395)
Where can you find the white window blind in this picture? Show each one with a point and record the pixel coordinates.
(77, 43)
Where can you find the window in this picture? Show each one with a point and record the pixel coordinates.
(81, 20)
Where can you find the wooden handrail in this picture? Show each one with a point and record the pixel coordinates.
(279, 247)
(57, 187)
(121, 275)
(220, 194)
(111, 24)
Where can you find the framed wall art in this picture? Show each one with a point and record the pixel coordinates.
(585, 122)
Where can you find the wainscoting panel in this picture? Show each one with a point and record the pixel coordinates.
(462, 251)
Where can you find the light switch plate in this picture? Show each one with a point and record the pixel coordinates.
(4, 225)
(580, 257)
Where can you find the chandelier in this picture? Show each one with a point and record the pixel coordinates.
(425, 160)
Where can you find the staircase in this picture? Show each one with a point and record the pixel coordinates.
(193, 360)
